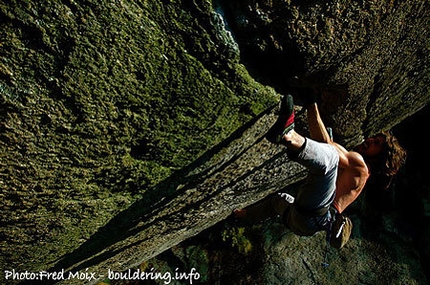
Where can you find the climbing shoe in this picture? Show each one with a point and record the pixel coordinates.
(285, 121)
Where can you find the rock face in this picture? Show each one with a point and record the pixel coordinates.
(128, 127)
(371, 53)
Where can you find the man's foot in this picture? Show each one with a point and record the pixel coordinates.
(285, 122)
(287, 115)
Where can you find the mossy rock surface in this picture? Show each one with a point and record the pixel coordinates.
(127, 127)
(100, 101)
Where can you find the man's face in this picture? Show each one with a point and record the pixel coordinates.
(372, 146)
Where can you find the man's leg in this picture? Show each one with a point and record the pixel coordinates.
(322, 161)
(269, 207)
(319, 157)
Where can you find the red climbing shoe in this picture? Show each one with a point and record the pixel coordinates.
(286, 116)
(285, 121)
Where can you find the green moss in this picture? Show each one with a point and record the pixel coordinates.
(235, 236)
(100, 103)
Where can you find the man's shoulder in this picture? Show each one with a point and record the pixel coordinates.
(350, 159)
(355, 159)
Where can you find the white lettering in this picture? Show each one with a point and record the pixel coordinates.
(193, 275)
(82, 275)
(130, 274)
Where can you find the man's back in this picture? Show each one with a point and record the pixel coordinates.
(351, 178)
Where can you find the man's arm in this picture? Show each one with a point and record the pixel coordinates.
(317, 128)
(346, 158)
(318, 132)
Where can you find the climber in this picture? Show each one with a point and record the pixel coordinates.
(335, 179)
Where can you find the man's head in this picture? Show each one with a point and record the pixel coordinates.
(383, 153)
(372, 146)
